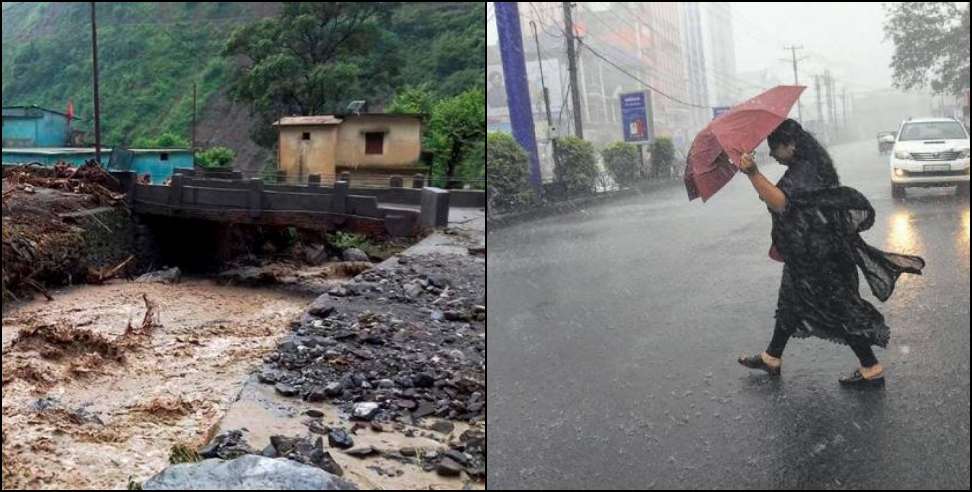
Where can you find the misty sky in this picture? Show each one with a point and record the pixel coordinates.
(845, 37)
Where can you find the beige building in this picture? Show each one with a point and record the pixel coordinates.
(362, 144)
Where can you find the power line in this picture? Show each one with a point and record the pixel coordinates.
(730, 82)
(649, 86)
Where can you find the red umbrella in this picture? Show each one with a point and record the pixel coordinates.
(739, 130)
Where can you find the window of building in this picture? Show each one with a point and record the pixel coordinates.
(305, 136)
(164, 156)
(375, 143)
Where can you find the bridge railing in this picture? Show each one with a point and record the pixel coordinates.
(252, 201)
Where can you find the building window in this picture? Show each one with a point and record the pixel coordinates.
(164, 156)
(305, 136)
(374, 143)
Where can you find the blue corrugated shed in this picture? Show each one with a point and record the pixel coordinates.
(33, 126)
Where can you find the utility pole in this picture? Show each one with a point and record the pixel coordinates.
(193, 148)
(551, 131)
(572, 68)
(796, 77)
(820, 114)
(829, 81)
(97, 105)
(843, 111)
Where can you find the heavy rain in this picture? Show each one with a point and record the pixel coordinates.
(728, 245)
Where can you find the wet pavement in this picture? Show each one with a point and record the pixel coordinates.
(614, 333)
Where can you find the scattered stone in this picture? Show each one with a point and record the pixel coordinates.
(365, 411)
(339, 438)
(170, 276)
(409, 452)
(443, 427)
(286, 390)
(362, 453)
(228, 446)
(449, 468)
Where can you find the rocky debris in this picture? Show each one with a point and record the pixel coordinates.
(249, 472)
(398, 343)
(170, 276)
(52, 230)
(466, 455)
(303, 450)
(227, 446)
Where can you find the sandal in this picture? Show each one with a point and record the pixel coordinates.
(756, 362)
(857, 380)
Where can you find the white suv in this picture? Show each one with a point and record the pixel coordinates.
(930, 152)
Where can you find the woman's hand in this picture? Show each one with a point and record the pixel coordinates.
(747, 164)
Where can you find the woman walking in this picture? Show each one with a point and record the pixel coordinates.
(816, 233)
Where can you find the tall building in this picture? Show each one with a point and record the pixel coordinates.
(694, 51)
(720, 53)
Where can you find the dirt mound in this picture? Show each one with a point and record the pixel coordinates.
(40, 244)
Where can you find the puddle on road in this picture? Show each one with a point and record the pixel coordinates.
(86, 407)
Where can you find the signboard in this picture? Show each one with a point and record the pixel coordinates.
(717, 112)
(636, 117)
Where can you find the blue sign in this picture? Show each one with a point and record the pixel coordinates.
(717, 112)
(636, 120)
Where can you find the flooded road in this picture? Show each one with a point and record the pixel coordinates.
(616, 330)
(87, 405)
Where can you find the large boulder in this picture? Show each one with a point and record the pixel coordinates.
(250, 472)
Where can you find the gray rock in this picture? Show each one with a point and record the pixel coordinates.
(362, 453)
(285, 390)
(365, 411)
(333, 389)
(339, 438)
(449, 468)
(355, 254)
(413, 290)
(250, 472)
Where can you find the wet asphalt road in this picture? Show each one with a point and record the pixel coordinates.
(614, 333)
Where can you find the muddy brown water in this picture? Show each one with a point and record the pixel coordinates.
(86, 407)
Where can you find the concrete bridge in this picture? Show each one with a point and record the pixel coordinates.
(393, 211)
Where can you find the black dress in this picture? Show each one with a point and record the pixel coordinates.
(818, 238)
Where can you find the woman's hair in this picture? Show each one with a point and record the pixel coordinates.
(808, 150)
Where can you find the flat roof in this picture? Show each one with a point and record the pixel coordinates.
(76, 150)
(34, 106)
(337, 119)
(52, 150)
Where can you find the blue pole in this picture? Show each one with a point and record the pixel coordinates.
(517, 87)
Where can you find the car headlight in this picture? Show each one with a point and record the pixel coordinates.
(900, 154)
(963, 153)
(899, 172)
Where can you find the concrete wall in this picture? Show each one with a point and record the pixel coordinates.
(300, 158)
(402, 143)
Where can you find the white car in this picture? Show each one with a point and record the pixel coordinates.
(930, 152)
